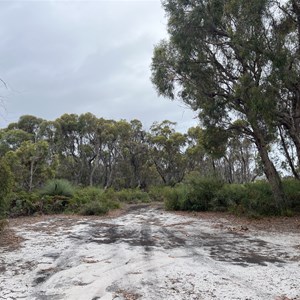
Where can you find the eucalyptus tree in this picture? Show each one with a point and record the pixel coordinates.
(167, 151)
(11, 139)
(215, 62)
(195, 151)
(6, 185)
(30, 164)
(283, 52)
(68, 142)
(135, 153)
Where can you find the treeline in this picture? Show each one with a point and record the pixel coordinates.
(91, 151)
(237, 64)
(89, 165)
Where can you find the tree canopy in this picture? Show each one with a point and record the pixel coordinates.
(237, 63)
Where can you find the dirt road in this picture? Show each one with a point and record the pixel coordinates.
(148, 253)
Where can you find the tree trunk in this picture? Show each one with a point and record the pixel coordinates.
(31, 175)
(269, 169)
(287, 154)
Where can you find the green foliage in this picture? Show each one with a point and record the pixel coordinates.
(202, 193)
(93, 201)
(95, 208)
(58, 187)
(157, 193)
(132, 196)
(54, 204)
(167, 152)
(30, 164)
(259, 199)
(224, 38)
(6, 184)
(175, 198)
(86, 195)
(292, 190)
(231, 194)
(24, 204)
(196, 194)
(252, 199)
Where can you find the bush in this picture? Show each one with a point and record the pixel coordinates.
(253, 199)
(176, 198)
(93, 201)
(132, 196)
(202, 194)
(86, 195)
(231, 195)
(53, 204)
(158, 193)
(58, 187)
(94, 208)
(24, 204)
(6, 184)
(259, 199)
(292, 191)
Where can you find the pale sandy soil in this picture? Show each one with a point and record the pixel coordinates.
(147, 253)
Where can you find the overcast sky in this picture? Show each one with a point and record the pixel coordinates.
(83, 56)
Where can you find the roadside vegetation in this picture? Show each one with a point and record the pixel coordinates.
(237, 66)
(84, 165)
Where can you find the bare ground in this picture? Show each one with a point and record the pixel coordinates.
(143, 252)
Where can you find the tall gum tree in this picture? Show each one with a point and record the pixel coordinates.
(283, 50)
(215, 62)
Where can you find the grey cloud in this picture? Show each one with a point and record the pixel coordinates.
(74, 57)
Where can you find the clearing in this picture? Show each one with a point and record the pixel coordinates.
(148, 253)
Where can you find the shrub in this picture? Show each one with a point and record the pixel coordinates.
(24, 204)
(231, 194)
(202, 193)
(53, 204)
(94, 208)
(171, 198)
(253, 199)
(292, 191)
(158, 193)
(58, 187)
(93, 201)
(175, 198)
(132, 196)
(259, 200)
(86, 195)
(6, 184)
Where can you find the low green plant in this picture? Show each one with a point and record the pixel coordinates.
(252, 199)
(58, 187)
(6, 185)
(86, 195)
(54, 204)
(171, 198)
(93, 201)
(158, 193)
(292, 190)
(202, 193)
(132, 196)
(24, 204)
(94, 208)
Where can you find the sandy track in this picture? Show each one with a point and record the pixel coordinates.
(147, 253)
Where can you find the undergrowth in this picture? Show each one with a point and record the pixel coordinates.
(194, 194)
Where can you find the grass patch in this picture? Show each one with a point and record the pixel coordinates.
(58, 187)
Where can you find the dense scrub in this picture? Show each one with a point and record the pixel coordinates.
(252, 199)
(60, 196)
(194, 194)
